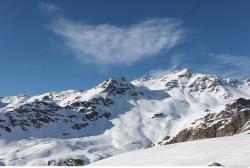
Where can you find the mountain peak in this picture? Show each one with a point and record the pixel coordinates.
(183, 72)
(115, 81)
(115, 85)
(118, 79)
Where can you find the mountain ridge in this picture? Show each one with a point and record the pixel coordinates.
(115, 116)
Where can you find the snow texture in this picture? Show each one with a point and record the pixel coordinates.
(228, 151)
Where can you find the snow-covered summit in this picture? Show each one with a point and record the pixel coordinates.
(192, 83)
(115, 86)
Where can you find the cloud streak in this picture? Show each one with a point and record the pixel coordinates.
(48, 7)
(234, 65)
(107, 44)
(222, 64)
(233, 60)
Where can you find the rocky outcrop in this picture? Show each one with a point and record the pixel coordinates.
(214, 164)
(234, 119)
(118, 87)
(159, 115)
(247, 82)
(2, 164)
(66, 162)
(39, 114)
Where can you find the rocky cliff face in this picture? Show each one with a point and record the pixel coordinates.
(234, 119)
(38, 114)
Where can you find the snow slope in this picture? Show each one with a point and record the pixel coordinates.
(229, 151)
(39, 151)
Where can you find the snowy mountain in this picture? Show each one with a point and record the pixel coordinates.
(79, 127)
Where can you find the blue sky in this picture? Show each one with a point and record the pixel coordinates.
(60, 44)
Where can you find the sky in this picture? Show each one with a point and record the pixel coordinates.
(60, 44)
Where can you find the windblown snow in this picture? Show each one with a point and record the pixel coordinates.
(117, 116)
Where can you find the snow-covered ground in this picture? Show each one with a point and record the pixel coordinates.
(37, 152)
(229, 151)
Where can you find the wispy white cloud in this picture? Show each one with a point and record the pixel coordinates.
(233, 60)
(159, 72)
(174, 64)
(107, 44)
(224, 64)
(48, 7)
(231, 64)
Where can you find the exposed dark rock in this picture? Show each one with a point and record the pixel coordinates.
(45, 98)
(65, 134)
(2, 164)
(239, 104)
(72, 116)
(6, 128)
(248, 82)
(76, 104)
(39, 114)
(171, 84)
(91, 114)
(79, 126)
(159, 115)
(202, 83)
(66, 162)
(117, 86)
(235, 118)
(107, 115)
(35, 114)
(215, 164)
(82, 110)
(186, 73)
